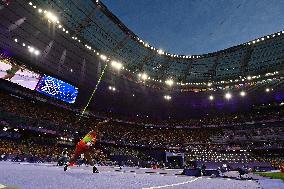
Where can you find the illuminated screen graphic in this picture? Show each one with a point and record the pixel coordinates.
(18, 74)
(56, 88)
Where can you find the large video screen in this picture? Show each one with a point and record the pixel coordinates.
(18, 74)
(56, 88)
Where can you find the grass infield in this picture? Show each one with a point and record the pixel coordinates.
(273, 175)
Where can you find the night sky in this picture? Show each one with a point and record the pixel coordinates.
(199, 26)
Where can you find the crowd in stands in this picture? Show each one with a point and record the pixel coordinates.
(28, 151)
(39, 113)
(262, 128)
(69, 119)
(153, 136)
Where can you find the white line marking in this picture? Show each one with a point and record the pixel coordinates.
(2, 186)
(171, 185)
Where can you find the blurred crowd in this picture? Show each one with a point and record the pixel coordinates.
(28, 151)
(261, 129)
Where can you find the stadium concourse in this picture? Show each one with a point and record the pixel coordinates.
(86, 103)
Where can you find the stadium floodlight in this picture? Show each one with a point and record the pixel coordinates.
(249, 77)
(169, 82)
(211, 97)
(36, 52)
(51, 17)
(103, 57)
(167, 97)
(116, 65)
(160, 51)
(144, 76)
(267, 90)
(228, 96)
(112, 88)
(31, 49)
(243, 93)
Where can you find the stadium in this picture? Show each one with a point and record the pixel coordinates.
(85, 102)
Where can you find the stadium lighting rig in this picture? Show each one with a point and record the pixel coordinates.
(143, 76)
(36, 52)
(228, 96)
(211, 97)
(169, 82)
(112, 88)
(103, 57)
(243, 93)
(116, 65)
(167, 97)
(268, 90)
(51, 17)
(31, 49)
(160, 52)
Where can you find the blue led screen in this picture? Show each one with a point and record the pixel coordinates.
(56, 88)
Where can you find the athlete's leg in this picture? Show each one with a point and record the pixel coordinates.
(78, 151)
(88, 156)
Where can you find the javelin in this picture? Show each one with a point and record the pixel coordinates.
(94, 91)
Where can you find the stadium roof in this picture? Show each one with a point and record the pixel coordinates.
(198, 27)
(96, 24)
(87, 31)
(74, 40)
